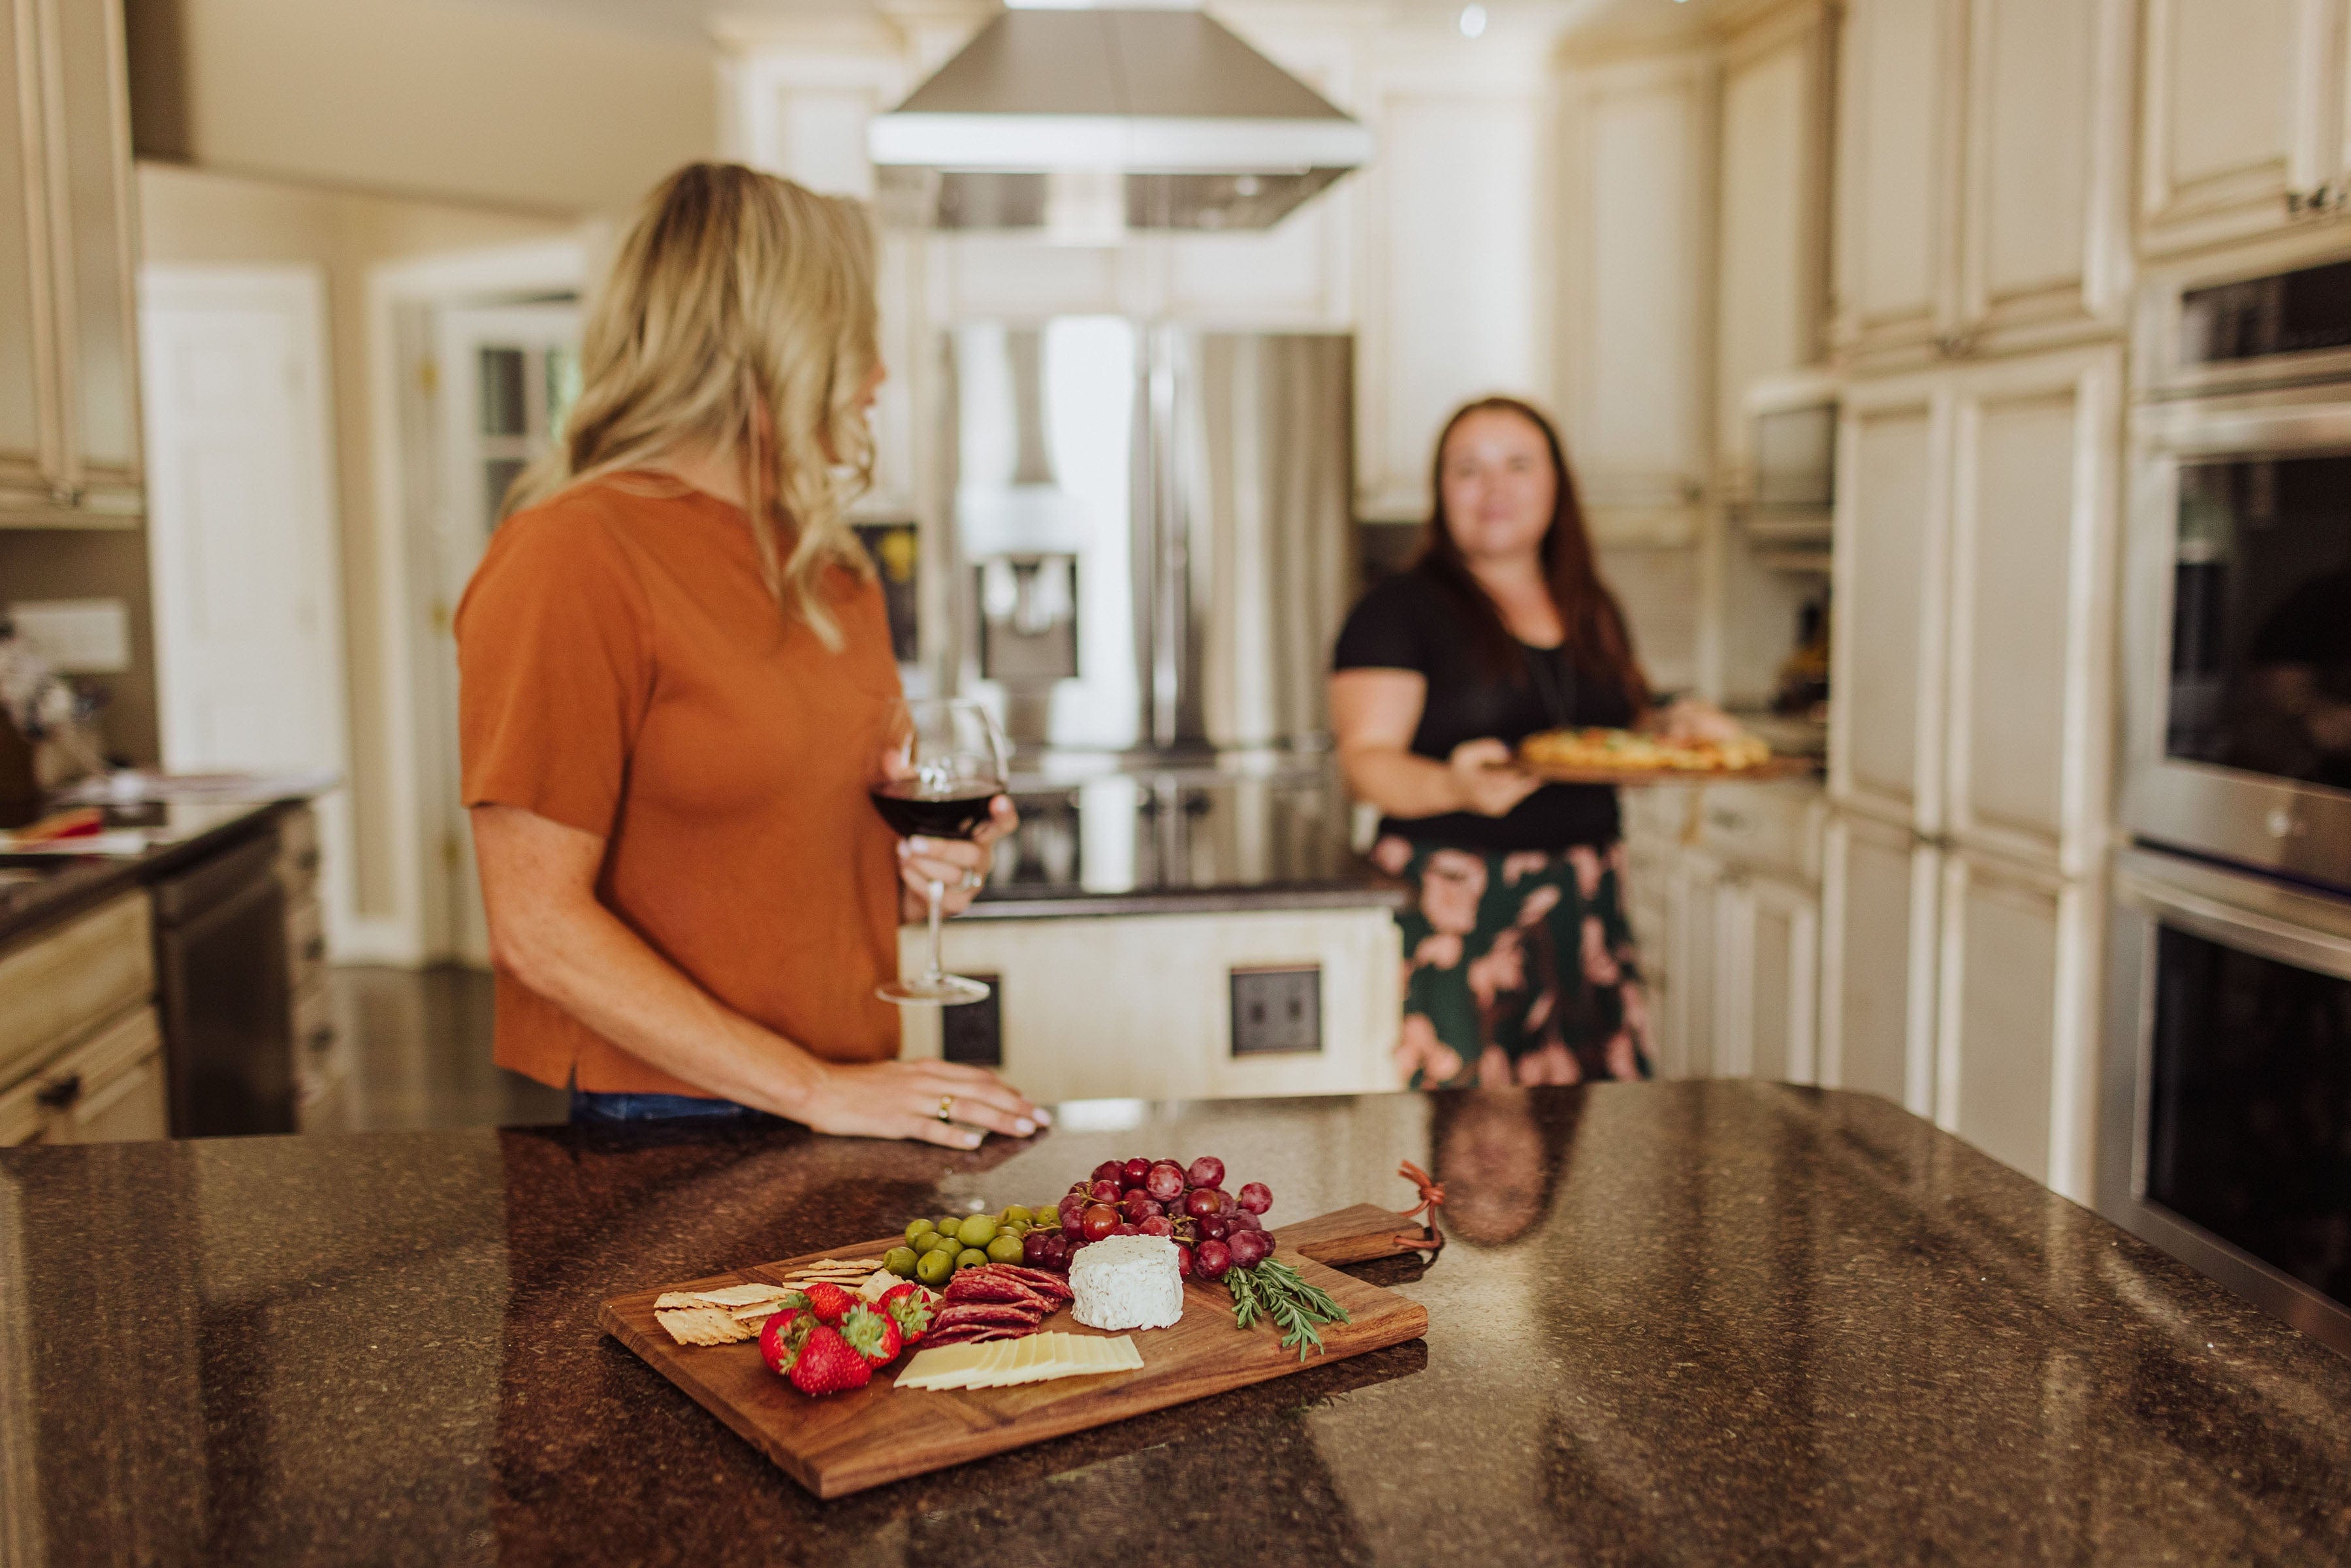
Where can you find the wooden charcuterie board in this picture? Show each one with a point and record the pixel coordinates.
(880, 1433)
(1770, 769)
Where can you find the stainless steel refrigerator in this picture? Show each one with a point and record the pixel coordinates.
(1151, 541)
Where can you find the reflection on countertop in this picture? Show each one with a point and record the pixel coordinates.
(1104, 835)
(1709, 1322)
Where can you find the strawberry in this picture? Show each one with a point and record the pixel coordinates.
(829, 1366)
(910, 1307)
(872, 1334)
(829, 1301)
(781, 1337)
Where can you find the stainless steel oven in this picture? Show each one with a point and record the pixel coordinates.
(2225, 1101)
(2237, 614)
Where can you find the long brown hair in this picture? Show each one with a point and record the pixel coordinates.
(1599, 642)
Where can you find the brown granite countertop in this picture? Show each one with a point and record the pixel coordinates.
(1690, 1322)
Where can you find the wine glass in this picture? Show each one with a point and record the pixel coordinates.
(938, 776)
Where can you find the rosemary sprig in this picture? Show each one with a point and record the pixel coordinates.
(1278, 1291)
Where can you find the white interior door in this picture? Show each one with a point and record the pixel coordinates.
(241, 530)
(505, 377)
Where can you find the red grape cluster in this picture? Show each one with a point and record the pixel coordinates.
(1213, 1229)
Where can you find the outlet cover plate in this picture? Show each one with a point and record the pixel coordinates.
(1278, 1011)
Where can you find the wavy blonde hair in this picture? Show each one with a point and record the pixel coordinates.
(736, 294)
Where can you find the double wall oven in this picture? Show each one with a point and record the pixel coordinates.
(2225, 1130)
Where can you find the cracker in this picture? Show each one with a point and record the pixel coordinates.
(704, 1325)
(758, 1311)
(675, 1300)
(742, 1295)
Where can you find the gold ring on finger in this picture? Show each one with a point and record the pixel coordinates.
(947, 1107)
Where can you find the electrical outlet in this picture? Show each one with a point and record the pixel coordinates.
(1278, 1011)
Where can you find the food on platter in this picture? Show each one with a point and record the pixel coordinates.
(1628, 751)
(1000, 1301)
(727, 1315)
(705, 1325)
(1277, 1291)
(1034, 1358)
(1127, 1283)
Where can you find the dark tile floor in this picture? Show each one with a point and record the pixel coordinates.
(420, 1058)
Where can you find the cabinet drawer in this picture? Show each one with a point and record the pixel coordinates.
(59, 984)
(1763, 827)
(110, 1088)
(315, 1031)
(20, 1115)
(306, 945)
(297, 851)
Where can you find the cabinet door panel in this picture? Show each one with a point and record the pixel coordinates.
(2013, 1048)
(1877, 976)
(2232, 105)
(1894, 171)
(94, 163)
(1686, 1046)
(2049, 85)
(27, 443)
(1771, 281)
(2036, 452)
(1884, 696)
(1766, 983)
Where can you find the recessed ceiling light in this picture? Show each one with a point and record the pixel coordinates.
(1473, 21)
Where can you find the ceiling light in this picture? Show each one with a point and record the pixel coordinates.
(1473, 21)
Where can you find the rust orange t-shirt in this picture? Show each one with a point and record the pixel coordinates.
(624, 671)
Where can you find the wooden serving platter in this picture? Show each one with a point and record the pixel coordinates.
(880, 1433)
(1768, 771)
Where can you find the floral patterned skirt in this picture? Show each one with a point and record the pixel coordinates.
(1519, 967)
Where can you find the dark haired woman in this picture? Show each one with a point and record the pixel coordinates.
(1520, 965)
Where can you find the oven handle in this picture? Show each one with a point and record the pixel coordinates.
(2232, 926)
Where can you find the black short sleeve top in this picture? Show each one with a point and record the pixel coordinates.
(1412, 621)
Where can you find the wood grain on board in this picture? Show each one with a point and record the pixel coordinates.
(849, 1442)
(1770, 771)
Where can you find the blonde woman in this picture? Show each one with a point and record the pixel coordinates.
(675, 671)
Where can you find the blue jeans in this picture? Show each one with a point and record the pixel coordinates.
(625, 1108)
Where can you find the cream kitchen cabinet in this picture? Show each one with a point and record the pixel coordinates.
(2242, 119)
(2015, 1034)
(1880, 912)
(1976, 537)
(1771, 280)
(1725, 899)
(1635, 234)
(81, 1050)
(69, 439)
(1985, 207)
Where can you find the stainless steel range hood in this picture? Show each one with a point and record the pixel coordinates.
(1092, 122)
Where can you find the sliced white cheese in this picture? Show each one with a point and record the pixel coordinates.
(929, 1366)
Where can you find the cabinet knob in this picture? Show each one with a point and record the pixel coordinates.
(314, 949)
(322, 1036)
(57, 1096)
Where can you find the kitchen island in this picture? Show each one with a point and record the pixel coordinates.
(1232, 883)
(1691, 1322)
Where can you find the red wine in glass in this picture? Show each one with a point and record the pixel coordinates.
(936, 777)
(954, 810)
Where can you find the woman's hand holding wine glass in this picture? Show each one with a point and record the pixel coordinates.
(939, 783)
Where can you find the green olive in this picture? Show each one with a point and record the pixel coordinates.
(916, 1229)
(978, 1230)
(939, 1241)
(934, 1266)
(901, 1261)
(970, 1258)
(1017, 1214)
(1005, 1248)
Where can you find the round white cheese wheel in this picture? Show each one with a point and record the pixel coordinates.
(1126, 1283)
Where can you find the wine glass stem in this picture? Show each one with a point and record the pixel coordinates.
(938, 891)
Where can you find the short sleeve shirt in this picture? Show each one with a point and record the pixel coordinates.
(624, 670)
(1412, 621)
